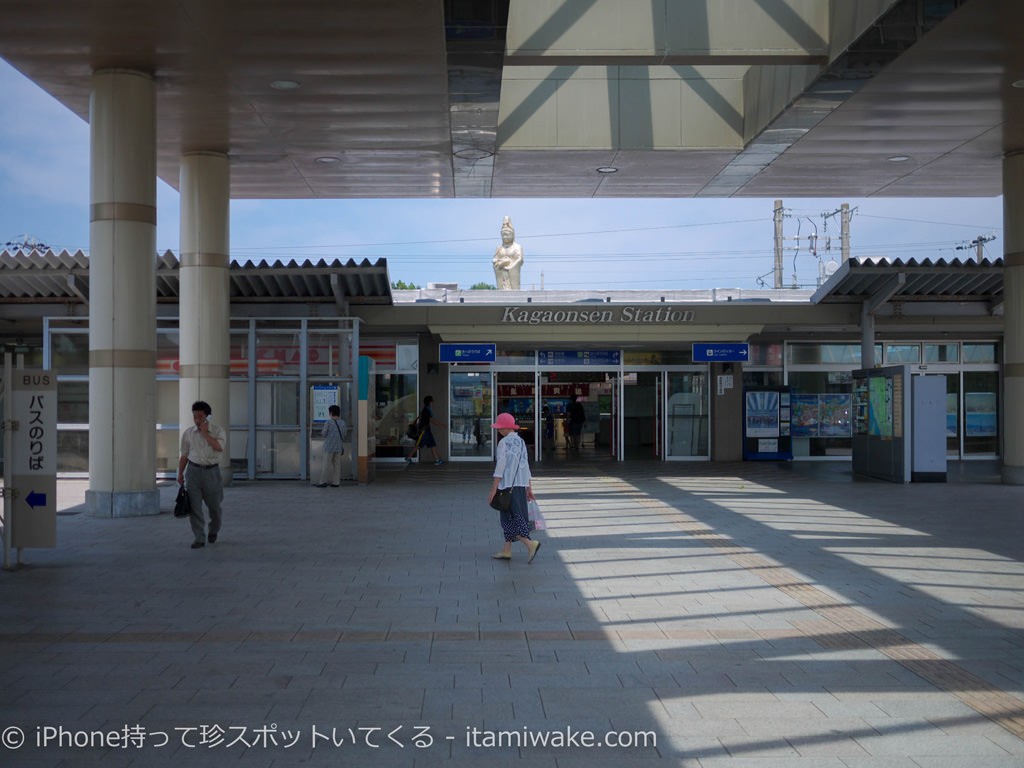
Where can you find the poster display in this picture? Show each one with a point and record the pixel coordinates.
(762, 414)
(822, 415)
(766, 423)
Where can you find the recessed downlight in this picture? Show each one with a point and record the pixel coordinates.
(285, 85)
(328, 159)
(607, 169)
(898, 158)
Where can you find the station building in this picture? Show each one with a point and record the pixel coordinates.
(507, 99)
(300, 333)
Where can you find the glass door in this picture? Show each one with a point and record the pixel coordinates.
(686, 415)
(641, 415)
(470, 415)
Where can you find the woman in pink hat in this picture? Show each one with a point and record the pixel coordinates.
(512, 470)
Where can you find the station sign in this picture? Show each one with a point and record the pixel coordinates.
(468, 353)
(34, 458)
(721, 353)
(598, 357)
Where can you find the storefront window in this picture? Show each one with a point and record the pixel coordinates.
(981, 413)
(278, 354)
(69, 353)
(827, 354)
(73, 402)
(980, 353)
(898, 354)
(941, 353)
(330, 354)
(768, 355)
(73, 451)
(668, 357)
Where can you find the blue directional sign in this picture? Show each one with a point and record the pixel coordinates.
(601, 357)
(468, 353)
(721, 353)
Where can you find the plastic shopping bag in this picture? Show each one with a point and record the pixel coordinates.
(533, 512)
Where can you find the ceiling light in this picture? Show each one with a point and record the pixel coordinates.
(607, 169)
(328, 160)
(285, 85)
(898, 158)
(1017, 84)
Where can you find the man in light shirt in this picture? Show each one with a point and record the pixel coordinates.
(199, 471)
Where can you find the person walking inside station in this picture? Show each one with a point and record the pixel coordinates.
(199, 471)
(426, 434)
(512, 470)
(577, 418)
(333, 433)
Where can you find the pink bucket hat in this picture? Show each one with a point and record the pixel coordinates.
(505, 421)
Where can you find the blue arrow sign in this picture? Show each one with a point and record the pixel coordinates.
(467, 353)
(721, 353)
(35, 499)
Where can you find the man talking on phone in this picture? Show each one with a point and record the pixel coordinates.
(199, 471)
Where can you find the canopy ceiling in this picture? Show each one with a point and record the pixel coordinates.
(408, 98)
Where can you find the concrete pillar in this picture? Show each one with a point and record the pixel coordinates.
(1013, 318)
(122, 296)
(205, 297)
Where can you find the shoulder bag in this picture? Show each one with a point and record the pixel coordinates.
(502, 500)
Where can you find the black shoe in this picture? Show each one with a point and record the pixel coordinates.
(211, 538)
(197, 544)
(335, 485)
(320, 485)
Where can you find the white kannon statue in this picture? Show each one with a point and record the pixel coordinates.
(508, 259)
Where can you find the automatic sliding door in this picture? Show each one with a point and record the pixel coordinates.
(686, 415)
(470, 420)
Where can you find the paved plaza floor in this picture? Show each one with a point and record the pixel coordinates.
(714, 616)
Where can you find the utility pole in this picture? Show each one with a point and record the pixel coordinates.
(844, 232)
(778, 244)
(978, 244)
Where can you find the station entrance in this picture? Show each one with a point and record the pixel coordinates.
(627, 414)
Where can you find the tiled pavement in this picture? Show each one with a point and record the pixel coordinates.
(748, 616)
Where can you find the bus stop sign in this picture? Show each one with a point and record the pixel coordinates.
(34, 458)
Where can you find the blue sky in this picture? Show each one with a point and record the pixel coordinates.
(569, 244)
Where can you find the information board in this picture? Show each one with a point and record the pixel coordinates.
(600, 357)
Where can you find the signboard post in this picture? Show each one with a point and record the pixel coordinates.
(30, 459)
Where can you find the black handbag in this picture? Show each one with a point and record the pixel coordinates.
(182, 504)
(502, 500)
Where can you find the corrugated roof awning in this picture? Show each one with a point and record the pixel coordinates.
(879, 279)
(65, 277)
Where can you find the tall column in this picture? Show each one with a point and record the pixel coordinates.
(122, 296)
(1013, 318)
(205, 293)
